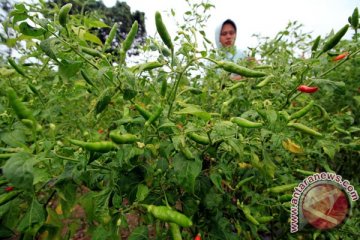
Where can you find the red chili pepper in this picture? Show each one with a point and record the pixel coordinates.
(198, 237)
(9, 188)
(307, 89)
(340, 56)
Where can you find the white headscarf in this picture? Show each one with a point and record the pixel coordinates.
(230, 53)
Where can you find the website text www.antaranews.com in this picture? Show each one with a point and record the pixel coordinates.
(310, 180)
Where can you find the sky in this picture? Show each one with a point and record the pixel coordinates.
(264, 17)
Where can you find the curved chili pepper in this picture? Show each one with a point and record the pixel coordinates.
(307, 89)
(340, 56)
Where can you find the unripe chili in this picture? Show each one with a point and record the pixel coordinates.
(265, 81)
(92, 52)
(126, 45)
(242, 122)
(63, 14)
(17, 67)
(302, 112)
(167, 214)
(282, 188)
(86, 77)
(175, 231)
(164, 34)
(316, 44)
(143, 112)
(154, 116)
(111, 36)
(101, 146)
(123, 138)
(21, 111)
(247, 213)
(243, 71)
(7, 197)
(334, 40)
(304, 129)
(355, 18)
(204, 140)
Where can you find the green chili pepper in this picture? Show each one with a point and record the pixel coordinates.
(242, 122)
(123, 138)
(236, 85)
(111, 36)
(102, 146)
(304, 172)
(163, 87)
(285, 198)
(242, 182)
(175, 231)
(143, 112)
(265, 81)
(302, 112)
(186, 152)
(154, 116)
(21, 111)
(126, 45)
(86, 77)
(264, 219)
(164, 34)
(304, 129)
(150, 65)
(355, 18)
(316, 44)
(204, 140)
(102, 103)
(16, 67)
(6, 155)
(167, 214)
(7, 197)
(63, 14)
(243, 71)
(247, 212)
(334, 40)
(282, 188)
(92, 52)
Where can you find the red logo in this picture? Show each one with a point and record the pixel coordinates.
(325, 206)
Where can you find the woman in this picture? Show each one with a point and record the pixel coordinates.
(225, 37)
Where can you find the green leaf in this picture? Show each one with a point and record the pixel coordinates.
(6, 72)
(34, 215)
(222, 129)
(94, 23)
(268, 165)
(139, 233)
(186, 171)
(100, 233)
(129, 94)
(142, 192)
(92, 38)
(216, 179)
(28, 30)
(19, 170)
(196, 111)
(47, 46)
(69, 68)
(15, 138)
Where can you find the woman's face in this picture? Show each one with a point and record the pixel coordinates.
(227, 35)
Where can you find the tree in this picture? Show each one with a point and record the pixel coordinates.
(120, 13)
